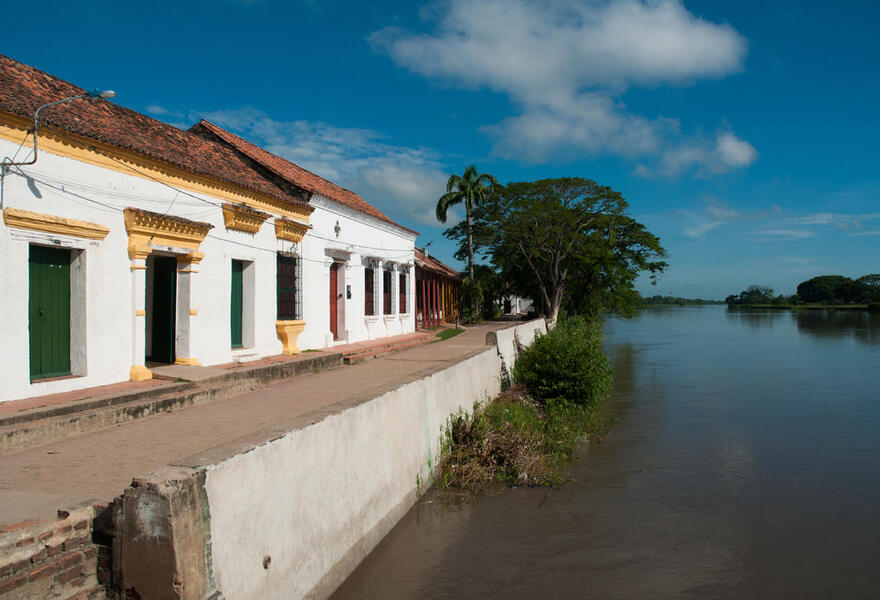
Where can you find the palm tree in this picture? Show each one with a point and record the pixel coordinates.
(471, 188)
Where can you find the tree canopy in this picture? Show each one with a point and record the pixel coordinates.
(565, 243)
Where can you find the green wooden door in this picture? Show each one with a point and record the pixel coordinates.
(49, 312)
(164, 309)
(236, 302)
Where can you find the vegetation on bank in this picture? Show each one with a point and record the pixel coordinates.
(819, 292)
(658, 300)
(529, 433)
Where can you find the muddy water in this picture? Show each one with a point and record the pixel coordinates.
(746, 464)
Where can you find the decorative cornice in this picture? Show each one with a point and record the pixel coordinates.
(145, 228)
(290, 230)
(25, 219)
(319, 201)
(243, 218)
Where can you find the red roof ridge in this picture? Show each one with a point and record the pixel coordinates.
(293, 173)
(23, 88)
(435, 264)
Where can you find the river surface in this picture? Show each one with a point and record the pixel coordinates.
(746, 464)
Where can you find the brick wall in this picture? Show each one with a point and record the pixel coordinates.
(55, 559)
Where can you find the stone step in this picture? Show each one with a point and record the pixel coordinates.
(50, 424)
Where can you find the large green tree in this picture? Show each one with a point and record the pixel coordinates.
(828, 289)
(470, 188)
(565, 242)
(867, 288)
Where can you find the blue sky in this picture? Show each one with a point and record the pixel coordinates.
(745, 134)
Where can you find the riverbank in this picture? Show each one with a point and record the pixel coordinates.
(746, 464)
(529, 433)
(866, 307)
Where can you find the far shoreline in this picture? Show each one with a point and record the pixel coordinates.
(844, 307)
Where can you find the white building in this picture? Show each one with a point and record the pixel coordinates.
(131, 242)
(515, 305)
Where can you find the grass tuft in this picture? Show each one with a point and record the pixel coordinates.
(528, 434)
(448, 333)
(515, 440)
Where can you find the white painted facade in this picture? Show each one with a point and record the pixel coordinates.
(109, 336)
(517, 305)
(363, 241)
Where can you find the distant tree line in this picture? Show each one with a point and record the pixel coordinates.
(676, 301)
(828, 290)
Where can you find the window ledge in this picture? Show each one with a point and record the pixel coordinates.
(55, 378)
(371, 318)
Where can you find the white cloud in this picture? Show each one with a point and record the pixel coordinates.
(715, 213)
(776, 226)
(709, 157)
(155, 109)
(565, 63)
(403, 182)
(782, 235)
(734, 152)
(842, 222)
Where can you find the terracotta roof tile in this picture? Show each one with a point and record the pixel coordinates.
(291, 172)
(24, 88)
(432, 264)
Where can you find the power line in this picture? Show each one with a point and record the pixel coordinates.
(222, 239)
(200, 199)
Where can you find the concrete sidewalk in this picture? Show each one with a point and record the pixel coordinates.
(98, 466)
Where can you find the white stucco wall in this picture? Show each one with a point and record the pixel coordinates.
(69, 188)
(318, 499)
(360, 239)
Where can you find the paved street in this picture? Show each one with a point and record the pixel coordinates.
(100, 465)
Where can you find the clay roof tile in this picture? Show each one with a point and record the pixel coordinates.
(23, 89)
(292, 173)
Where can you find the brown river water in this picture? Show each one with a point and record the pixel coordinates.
(746, 464)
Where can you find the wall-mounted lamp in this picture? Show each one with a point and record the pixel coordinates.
(5, 164)
(337, 228)
(94, 94)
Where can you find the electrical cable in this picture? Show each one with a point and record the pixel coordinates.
(200, 199)
(122, 210)
(20, 146)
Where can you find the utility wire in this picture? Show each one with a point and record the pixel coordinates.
(62, 190)
(200, 199)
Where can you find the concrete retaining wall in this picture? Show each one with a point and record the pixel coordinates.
(291, 513)
(317, 500)
(512, 340)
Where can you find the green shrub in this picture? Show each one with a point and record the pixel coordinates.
(566, 365)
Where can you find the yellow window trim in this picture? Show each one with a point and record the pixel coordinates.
(25, 219)
(243, 218)
(145, 230)
(291, 231)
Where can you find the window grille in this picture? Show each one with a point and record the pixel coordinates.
(386, 292)
(289, 294)
(402, 288)
(369, 285)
